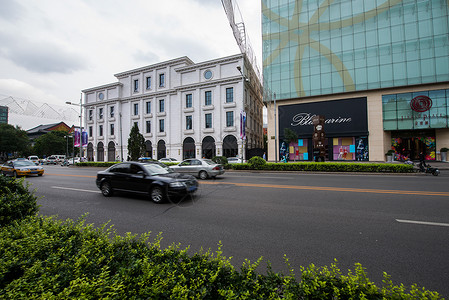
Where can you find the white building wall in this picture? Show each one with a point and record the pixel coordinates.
(182, 77)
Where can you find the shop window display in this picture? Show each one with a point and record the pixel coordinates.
(298, 150)
(344, 148)
(408, 148)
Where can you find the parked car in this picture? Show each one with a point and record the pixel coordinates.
(51, 160)
(59, 158)
(167, 159)
(21, 168)
(34, 159)
(145, 178)
(201, 168)
(234, 160)
(143, 159)
(70, 161)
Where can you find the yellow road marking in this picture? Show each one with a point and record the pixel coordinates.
(312, 188)
(335, 189)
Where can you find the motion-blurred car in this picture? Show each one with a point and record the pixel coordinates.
(21, 168)
(234, 160)
(145, 178)
(34, 159)
(199, 167)
(168, 159)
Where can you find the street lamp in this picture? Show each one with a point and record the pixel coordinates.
(243, 115)
(73, 148)
(81, 123)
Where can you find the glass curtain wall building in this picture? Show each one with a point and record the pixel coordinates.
(392, 55)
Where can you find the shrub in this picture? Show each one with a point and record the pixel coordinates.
(257, 162)
(16, 202)
(220, 160)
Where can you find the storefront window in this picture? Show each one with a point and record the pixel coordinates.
(409, 145)
(298, 150)
(344, 148)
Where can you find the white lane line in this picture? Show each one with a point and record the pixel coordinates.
(422, 223)
(73, 189)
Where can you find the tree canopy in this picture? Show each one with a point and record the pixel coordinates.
(13, 140)
(136, 143)
(52, 143)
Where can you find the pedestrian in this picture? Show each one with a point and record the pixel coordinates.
(264, 156)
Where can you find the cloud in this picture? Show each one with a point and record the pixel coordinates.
(40, 57)
(10, 10)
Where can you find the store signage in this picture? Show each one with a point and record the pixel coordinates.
(302, 119)
(421, 103)
(346, 117)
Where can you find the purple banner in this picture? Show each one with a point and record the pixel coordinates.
(84, 139)
(76, 142)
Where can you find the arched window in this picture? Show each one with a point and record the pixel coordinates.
(90, 152)
(161, 150)
(148, 149)
(100, 151)
(188, 148)
(230, 146)
(208, 147)
(111, 151)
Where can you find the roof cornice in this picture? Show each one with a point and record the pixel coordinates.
(183, 59)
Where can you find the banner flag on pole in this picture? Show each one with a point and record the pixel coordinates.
(242, 125)
(84, 139)
(76, 142)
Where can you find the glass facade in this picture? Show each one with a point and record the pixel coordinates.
(318, 47)
(399, 113)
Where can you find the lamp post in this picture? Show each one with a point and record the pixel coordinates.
(73, 147)
(243, 114)
(275, 131)
(81, 122)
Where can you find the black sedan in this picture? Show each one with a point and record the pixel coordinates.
(145, 178)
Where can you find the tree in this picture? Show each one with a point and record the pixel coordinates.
(51, 143)
(136, 143)
(13, 140)
(289, 135)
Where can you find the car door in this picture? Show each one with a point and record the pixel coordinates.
(184, 167)
(137, 179)
(119, 176)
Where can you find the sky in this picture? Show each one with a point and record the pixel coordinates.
(50, 50)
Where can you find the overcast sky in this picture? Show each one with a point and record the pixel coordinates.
(50, 50)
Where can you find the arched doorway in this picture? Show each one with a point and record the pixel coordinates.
(161, 150)
(111, 151)
(148, 149)
(208, 147)
(90, 152)
(100, 151)
(188, 148)
(230, 146)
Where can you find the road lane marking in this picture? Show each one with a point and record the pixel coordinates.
(422, 222)
(70, 175)
(333, 189)
(313, 188)
(73, 189)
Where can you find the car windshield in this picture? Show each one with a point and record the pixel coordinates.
(155, 169)
(23, 163)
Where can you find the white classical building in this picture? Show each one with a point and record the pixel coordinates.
(182, 109)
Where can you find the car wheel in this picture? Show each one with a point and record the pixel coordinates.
(157, 194)
(106, 189)
(202, 175)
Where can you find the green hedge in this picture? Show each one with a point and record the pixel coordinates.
(327, 167)
(16, 202)
(45, 258)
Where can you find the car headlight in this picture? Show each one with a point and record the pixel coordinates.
(177, 184)
(24, 170)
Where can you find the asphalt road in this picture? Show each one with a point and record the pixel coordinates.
(397, 224)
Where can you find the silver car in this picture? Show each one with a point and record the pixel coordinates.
(201, 168)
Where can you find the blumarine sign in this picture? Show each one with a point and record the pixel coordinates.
(347, 117)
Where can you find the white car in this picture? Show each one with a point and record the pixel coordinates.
(201, 168)
(34, 159)
(168, 159)
(234, 160)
